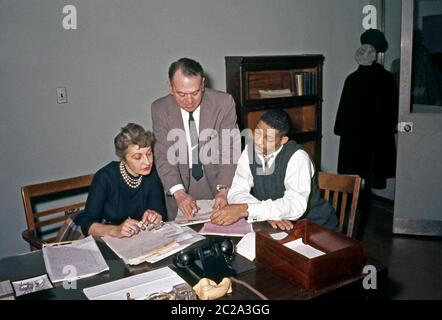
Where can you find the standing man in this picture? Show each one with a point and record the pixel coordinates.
(185, 122)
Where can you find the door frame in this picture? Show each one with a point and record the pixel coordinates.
(404, 225)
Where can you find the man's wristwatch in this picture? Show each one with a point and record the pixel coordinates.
(222, 187)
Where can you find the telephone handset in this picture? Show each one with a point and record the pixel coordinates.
(210, 257)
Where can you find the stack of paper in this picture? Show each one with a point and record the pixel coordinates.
(188, 237)
(136, 287)
(237, 229)
(79, 259)
(203, 214)
(152, 246)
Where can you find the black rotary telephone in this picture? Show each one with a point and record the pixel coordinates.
(210, 258)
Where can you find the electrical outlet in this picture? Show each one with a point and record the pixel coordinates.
(62, 95)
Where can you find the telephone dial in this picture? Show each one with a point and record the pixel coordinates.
(208, 258)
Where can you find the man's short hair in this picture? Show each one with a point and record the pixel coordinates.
(188, 66)
(277, 119)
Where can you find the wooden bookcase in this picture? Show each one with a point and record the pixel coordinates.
(292, 83)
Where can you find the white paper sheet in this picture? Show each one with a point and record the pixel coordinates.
(247, 246)
(203, 215)
(79, 259)
(304, 249)
(138, 287)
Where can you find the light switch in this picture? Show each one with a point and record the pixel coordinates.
(62, 95)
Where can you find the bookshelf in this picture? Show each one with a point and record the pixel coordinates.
(292, 83)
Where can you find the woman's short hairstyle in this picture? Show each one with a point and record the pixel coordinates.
(135, 134)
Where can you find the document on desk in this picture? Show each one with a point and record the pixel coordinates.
(237, 229)
(247, 245)
(184, 240)
(151, 246)
(304, 249)
(137, 287)
(73, 261)
(6, 291)
(203, 214)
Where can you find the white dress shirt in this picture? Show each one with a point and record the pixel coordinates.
(185, 116)
(297, 183)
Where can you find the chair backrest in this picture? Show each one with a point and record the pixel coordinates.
(340, 190)
(52, 219)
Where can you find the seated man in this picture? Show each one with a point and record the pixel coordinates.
(275, 181)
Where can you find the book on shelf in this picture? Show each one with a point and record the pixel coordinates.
(305, 83)
(299, 84)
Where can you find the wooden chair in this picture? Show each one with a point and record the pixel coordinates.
(339, 190)
(44, 224)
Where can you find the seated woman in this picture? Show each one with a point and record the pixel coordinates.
(125, 196)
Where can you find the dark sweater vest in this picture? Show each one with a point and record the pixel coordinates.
(272, 187)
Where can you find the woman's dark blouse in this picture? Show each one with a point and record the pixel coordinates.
(111, 200)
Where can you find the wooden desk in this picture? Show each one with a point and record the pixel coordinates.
(31, 264)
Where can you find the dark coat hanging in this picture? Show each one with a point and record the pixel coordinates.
(366, 122)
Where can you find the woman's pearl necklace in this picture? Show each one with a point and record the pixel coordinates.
(131, 182)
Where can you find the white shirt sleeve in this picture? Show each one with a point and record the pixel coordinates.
(293, 204)
(239, 191)
(175, 188)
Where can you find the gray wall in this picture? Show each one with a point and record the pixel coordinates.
(114, 65)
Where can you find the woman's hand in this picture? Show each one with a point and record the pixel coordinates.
(151, 217)
(127, 229)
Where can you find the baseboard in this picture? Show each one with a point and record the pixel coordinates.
(417, 227)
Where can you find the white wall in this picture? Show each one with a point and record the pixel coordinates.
(114, 65)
